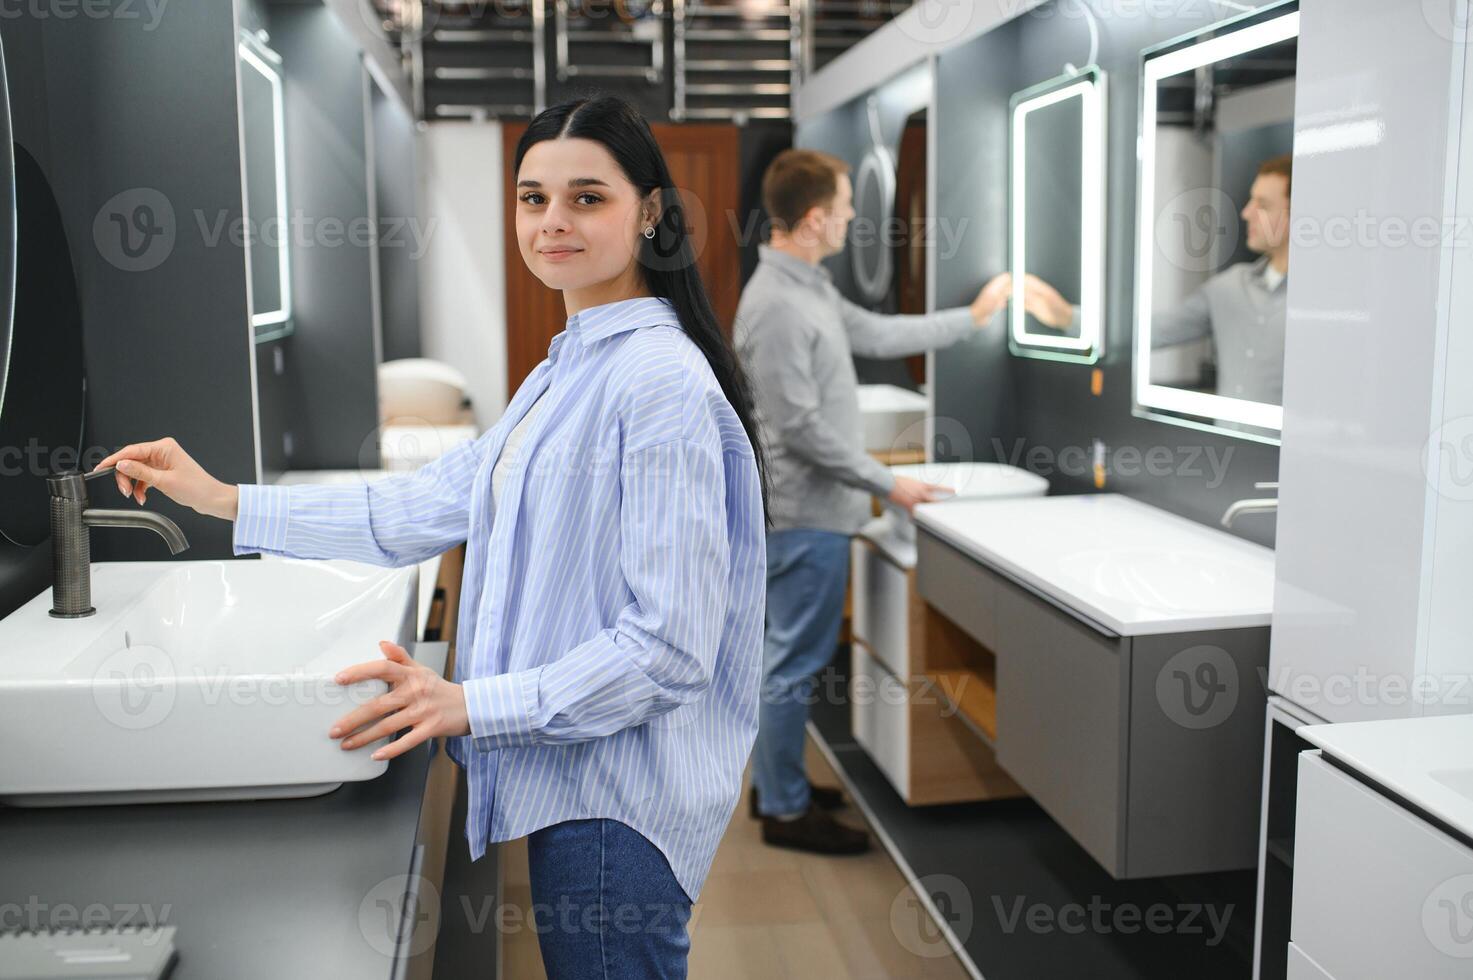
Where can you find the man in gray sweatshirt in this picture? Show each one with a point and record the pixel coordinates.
(795, 335)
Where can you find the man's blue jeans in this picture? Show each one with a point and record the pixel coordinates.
(806, 575)
(605, 904)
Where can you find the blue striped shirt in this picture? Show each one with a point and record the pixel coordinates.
(610, 631)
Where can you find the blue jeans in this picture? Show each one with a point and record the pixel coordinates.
(605, 903)
(806, 575)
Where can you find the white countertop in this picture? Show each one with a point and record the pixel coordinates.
(1427, 761)
(1132, 568)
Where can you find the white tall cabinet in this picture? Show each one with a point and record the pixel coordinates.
(1372, 611)
(1375, 535)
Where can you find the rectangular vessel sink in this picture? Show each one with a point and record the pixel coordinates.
(205, 680)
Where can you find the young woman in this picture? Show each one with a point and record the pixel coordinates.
(610, 631)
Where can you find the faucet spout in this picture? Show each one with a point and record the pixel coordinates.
(167, 529)
(1255, 505)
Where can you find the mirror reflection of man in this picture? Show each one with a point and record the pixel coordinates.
(795, 334)
(1242, 308)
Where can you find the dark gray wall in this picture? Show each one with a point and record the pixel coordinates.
(845, 132)
(1040, 413)
(124, 112)
(326, 398)
(398, 218)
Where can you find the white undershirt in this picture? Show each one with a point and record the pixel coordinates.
(511, 450)
(1272, 277)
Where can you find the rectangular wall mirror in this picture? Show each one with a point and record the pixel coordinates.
(1057, 248)
(1216, 144)
(263, 146)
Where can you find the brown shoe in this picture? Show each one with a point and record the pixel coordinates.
(823, 797)
(816, 832)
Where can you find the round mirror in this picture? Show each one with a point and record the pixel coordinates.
(7, 229)
(41, 428)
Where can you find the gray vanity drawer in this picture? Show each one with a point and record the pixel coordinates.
(1060, 717)
(959, 588)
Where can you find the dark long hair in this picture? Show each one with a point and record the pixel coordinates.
(667, 261)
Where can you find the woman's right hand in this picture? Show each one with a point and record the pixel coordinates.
(163, 463)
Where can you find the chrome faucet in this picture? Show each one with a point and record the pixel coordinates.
(1253, 505)
(71, 540)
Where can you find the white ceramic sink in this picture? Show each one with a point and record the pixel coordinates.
(199, 680)
(1132, 568)
(893, 417)
(1189, 580)
(894, 531)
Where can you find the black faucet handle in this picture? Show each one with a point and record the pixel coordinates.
(72, 484)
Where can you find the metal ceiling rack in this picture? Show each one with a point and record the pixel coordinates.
(735, 60)
(832, 27)
(481, 61)
(622, 39)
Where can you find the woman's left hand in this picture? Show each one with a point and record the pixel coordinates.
(418, 699)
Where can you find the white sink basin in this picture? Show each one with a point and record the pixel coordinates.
(200, 680)
(1187, 580)
(1132, 568)
(894, 531)
(893, 417)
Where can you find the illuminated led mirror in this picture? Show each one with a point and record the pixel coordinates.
(1212, 254)
(1057, 218)
(264, 148)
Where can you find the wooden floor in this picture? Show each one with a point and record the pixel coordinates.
(768, 914)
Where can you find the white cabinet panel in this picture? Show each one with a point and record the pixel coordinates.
(879, 713)
(1378, 892)
(881, 610)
